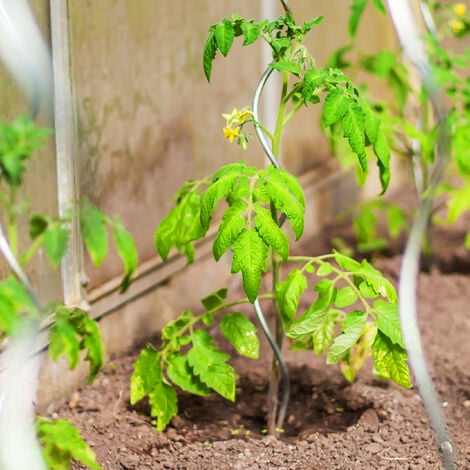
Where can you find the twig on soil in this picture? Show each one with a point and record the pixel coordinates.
(389, 458)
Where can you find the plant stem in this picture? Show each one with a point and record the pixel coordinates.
(274, 422)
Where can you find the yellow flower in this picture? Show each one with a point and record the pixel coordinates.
(456, 26)
(230, 133)
(460, 9)
(230, 118)
(244, 115)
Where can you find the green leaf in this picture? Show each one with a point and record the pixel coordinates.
(270, 232)
(210, 365)
(73, 331)
(324, 334)
(286, 202)
(458, 202)
(353, 130)
(353, 326)
(233, 223)
(251, 32)
(37, 225)
(55, 242)
(288, 293)
(214, 300)
(181, 373)
(164, 404)
(290, 181)
(126, 249)
(208, 55)
(224, 35)
(377, 281)
(396, 220)
(64, 339)
(249, 257)
(336, 105)
(324, 269)
(215, 192)
(61, 442)
(95, 236)
(390, 360)
(388, 321)
(357, 9)
(241, 332)
(94, 346)
(286, 66)
(345, 297)
(382, 152)
(147, 374)
(346, 262)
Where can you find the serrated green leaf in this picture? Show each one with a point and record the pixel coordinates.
(307, 324)
(56, 238)
(164, 238)
(180, 373)
(286, 66)
(288, 293)
(290, 181)
(353, 326)
(359, 352)
(147, 374)
(224, 35)
(214, 193)
(95, 236)
(233, 223)
(249, 258)
(208, 55)
(377, 281)
(164, 404)
(324, 335)
(388, 321)
(270, 231)
(126, 249)
(64, 339)
(94, 346)
(353, 130)
(346, 262)
(251, 32)
(61, 442)
(357, 9)
(345, 297)
(287, 203)
(336, 105)
(382, 152)
(390, 360)
(210, 365)
(241, 333)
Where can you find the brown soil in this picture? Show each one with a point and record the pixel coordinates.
(370, 424)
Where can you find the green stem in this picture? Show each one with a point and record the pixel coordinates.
(280, 115)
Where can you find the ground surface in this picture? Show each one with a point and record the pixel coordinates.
(331, 424)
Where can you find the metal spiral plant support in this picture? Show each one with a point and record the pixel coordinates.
(407, 32)
(258, 310)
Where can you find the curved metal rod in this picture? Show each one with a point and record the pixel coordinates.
(259, 312)
(402, 18)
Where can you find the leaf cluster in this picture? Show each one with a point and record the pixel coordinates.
(354, 297)
(249, 225)
(72, 332)
(18, 140)
(189, 359)
(61, 443)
